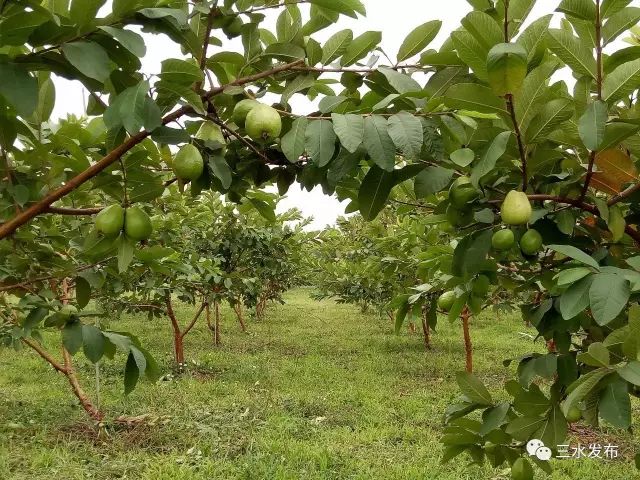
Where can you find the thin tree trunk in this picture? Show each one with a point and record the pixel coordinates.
(217, 331)
(83, 398)
(468, 347)
(425, 329)
(178, 340)
(237, 307)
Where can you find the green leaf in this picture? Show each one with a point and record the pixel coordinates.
(374, 191)
(221, 170)
(571, 275)
(181, 72)
(554, 429)
(473, 388)
(492, 154)
(471, 253)
(463, 157)
(621, 82)
(46, 101)
(506, 68)
(293, 142)
(349, 129)
(132, 110)
(597, 355)
(583, 9)
(608, 296)
(284, 51)
(552, 115)
(609, 7)
(615, 405)
(176, 14)
(301, 82)
(18, 88)
(406, 132)
(264, 209)
(401, 82)
(346, 7)
(533, 39)
(572, 52)
(474, 97)
(336, 45)
(320, 141)
(575, 299)
(89, 58)
(330, 103)
(128, 39)
(378, 143)
(484, 29)
(72, 337)
(592, 124)
(83, 292)
(418, 39)
(472, 53)
(631, 372)
(619, 23)
(83, 12)
(576, 254)
(126, 249)
(360, 47)
(93, 343)
(131, 374)
(432, 180)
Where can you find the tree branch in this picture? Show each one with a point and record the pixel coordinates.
(195, 319)
(74, 211)
(521, 147)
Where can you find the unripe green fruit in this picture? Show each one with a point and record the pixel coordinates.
(446, 300)
(481, 285)
(457, 217)
(503, 240)
(462, 192)
(573, 415)
(242, 109)
(110, 221)
(531, 242)
(516, 208)
(263, 123)
(137, 224)
(521, 470)
(188, 163)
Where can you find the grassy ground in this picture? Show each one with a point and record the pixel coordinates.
(315, 391)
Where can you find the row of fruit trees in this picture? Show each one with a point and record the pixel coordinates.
(530, 180)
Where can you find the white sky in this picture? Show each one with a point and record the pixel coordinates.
(395, 19)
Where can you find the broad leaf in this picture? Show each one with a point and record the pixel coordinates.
(418, 39)
(374, 191)
(320, 141)
(592, 125)
(378, 143)
(349, 129)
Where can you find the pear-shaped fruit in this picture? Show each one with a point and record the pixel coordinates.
(503, 240)
(516, 208)
(462, 192)
(531, 242)
(110, 220)
(457, 217)
(263, 123)
(242, 109)
(188, 163)
(137, 224)
(446, 300)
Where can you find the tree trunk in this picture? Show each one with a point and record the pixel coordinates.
(217, 331)
(468, 348)
(425, 329)
(237, 307)
(178, 342)
(83, 398)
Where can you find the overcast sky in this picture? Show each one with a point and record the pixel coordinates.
(394, 18)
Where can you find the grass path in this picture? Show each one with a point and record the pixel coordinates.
(315, 391)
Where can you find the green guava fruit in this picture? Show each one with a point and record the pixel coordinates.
(516, 208)
(110, 220)
(137, 224)
(531, 242)
(242, 109)
(188, 163)
(210, 132)
(263, 123)
(462, 192)
(503, 240)
(446, 300)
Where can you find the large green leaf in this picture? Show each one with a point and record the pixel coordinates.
(418, 39)
(619, 23)
(131, 110)
(72, 337)
(471, 52)
(180, 72)
(93, 343)
(293, 142)
(320, 141)
(378, 143)
(576, 254)
(473, 388)
(336, 45)
(484, 29)
(592, 124)
(583, 9)
(609, 7)
(621, 82)
(608, 296)
(128, 39)
(89, 58)
(349, 129)
(615, 405)
(84, 11)
(432, 180)
(18, 88)
(374, 191)
(406, 132)
(360, 47)
(552, 115)
(474, 97)
(489, 158)
(471, 253)
(572, 52)
(346, 7)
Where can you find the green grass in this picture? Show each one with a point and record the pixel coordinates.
(315, 391)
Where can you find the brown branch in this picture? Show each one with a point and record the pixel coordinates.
(232, 132)
(624, 194)
(195, 319)
(41, 206)
(74, 211)
(45, 355)
(592, 155)
(521, 147)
